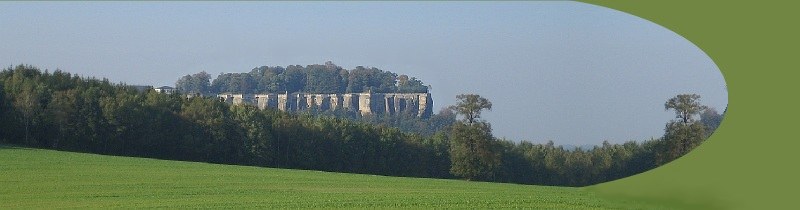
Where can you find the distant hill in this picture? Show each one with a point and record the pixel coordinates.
(316, 78)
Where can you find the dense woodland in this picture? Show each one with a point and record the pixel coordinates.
(62, 111)
(327, 78)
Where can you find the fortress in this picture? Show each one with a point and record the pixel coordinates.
(420, 104)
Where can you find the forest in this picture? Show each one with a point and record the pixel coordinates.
(62, 111)
(327, 78)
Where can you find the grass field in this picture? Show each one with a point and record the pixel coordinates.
(34, 178)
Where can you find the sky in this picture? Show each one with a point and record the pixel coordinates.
(570, 72)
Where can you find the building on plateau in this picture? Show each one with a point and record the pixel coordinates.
(420, 104)
(165, 89)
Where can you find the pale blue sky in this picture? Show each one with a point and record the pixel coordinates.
(569, 72)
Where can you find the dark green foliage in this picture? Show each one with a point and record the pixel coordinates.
(680, 138)
(327, 78)
(62, 111)
(686, 106)
(5, 122)
(685, 133)
(363, 79)
(473, 151)
(470, 106)
(711, 120)
(410, 85)
(194, 84)
(65, 112)
(406, 122)
(548, 164)
(294, 79)
(234, 83)
(323, 79)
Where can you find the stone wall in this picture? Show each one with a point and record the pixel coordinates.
(420, 104)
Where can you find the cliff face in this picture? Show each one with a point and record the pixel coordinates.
(420, 104)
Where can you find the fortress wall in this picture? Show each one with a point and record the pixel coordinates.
(335, 101)
(272, 101)
(350, 101)
(227, 98)
(324, 101)
(310, 101)
(300, 102)
(283, 102)
(364, 103)
(388, 104)
(264, 101)
(425, 105)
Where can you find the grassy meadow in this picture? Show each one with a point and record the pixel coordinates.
(35, 178)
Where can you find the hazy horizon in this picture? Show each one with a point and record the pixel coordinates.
(570, 72)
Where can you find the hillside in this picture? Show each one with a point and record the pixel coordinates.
(35, 178)
(65, 112)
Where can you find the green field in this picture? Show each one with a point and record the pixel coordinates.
(34, 178)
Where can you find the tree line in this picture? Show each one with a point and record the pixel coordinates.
(62, 111)
(327, 78)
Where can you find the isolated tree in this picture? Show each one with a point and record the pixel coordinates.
(473, 149)
(686, 133)
(686, 106)
(473, 152)
(470, 106)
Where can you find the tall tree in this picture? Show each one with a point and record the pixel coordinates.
(28, 103)
(473, 152)
(686, 133)
(470, 106)
(686, 106)
(473, 149)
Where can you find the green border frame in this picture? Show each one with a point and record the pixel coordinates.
(750, 162)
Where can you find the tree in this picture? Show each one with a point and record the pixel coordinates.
(28, 103)
(711, 120)
(410, 85)
(680, 138)
(686, 106)
(62, 111)
(195, 83)
(267, 79)
(322, 79)
(471, 106)
(473, 152)
(295, 78)
(473, 149)
(686, 133)
(5, 120)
